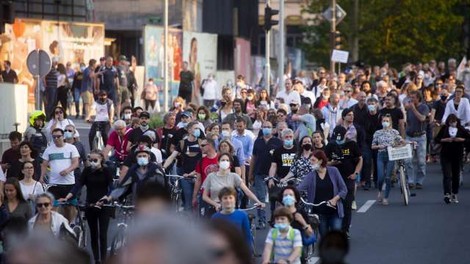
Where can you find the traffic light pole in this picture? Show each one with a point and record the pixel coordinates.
(282, 44)
(267, 66)
(165, 60)
(332, 33)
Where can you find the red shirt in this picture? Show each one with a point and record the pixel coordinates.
(207, 166)
(119, 143)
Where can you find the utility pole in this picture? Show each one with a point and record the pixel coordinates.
(268, 23)
(332, 33)
(165, 60)
(282, 43)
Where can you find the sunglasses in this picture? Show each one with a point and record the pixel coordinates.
(93, 160)
(57, 137)
(68, 130)
(39, 205)
(59, 112)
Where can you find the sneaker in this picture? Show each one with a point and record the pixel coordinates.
(348, 235)
(447, 199)
(454, 198)
(384, 202)
(419, 186)
(261, 225)
(411, 186)
(354, 205)
(379, 197)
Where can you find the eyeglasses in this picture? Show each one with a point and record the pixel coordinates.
(68, 130)
(59, 112)
(39, 205)
(56, 136)
(93, 160)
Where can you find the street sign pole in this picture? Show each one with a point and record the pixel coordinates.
(280, 72)
(165, 60)
(267, 67)
(332, 32)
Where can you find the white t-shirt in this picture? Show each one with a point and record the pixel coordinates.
(59, 160)
(293, 96)
(102, 114)
(158, 155)
(2, 176)
(31, 190)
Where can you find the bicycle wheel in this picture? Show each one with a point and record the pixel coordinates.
(404, 186)
(253, 236)
(118, 242)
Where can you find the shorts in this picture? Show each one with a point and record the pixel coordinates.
(60, 191)
(118, 96)
(87, 97)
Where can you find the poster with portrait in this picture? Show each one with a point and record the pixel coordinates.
(200, 51)
(243, 58)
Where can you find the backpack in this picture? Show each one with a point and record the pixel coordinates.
(39, 141)
(275, 234)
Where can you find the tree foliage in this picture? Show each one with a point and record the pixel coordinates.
(396, 31)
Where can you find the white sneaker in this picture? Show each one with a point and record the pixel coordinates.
(354, 205)
(454, 198)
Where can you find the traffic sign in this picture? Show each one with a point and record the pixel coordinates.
(39, 63)
(340, 14)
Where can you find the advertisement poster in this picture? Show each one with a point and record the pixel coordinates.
(200, 51)
(73, 42)
(243, 58)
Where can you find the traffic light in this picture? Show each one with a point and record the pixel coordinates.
(338, 40)
(268, 17)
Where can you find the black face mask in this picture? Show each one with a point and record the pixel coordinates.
(443, 97)
(307, 146)
(294, 111)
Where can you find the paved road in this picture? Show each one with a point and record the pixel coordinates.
(427, 231)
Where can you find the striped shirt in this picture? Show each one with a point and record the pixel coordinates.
(52, 79)
(283, 246)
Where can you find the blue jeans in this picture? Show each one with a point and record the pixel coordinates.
(366, 172)
(416, 171)
(328, 223)
(51, 99)
(260, 192)
(188, 190)
(384, 171)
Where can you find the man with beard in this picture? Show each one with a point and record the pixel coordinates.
(144, 126)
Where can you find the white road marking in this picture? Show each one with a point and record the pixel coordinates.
(313, 260)
(366, 206)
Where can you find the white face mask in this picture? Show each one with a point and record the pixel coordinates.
(224, 164)
(94, 165)
(127, 116)
(68, 135)
(316, 166)
(225, 133)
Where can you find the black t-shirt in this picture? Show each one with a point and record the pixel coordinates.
(373, 124)
(189, 162)
(360, 115)
(323, 192)
(348, 154)
(107, 78)
(97, 182)
(167, 135)
(284, 159)
(440, 109)
(396, 115)
(9, 77)
(135, 135)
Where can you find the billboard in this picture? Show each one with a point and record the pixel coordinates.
(73, 42)
(200, 51)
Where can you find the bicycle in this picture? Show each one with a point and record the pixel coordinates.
(176, 191)
(120, 238)
(400, 154)
(251, 218)
(79, 227)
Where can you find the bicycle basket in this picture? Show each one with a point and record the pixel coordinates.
(399, 153)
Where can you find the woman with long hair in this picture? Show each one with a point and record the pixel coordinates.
(58, 120)
(17, 205)
(225, 146)
(452, 138)
(63, 86)
(30, 187)
(263, 99)
(28, 154)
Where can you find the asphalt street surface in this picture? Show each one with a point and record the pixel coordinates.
(426, 231)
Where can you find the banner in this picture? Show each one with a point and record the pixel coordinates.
(243, 58)
(200, 51)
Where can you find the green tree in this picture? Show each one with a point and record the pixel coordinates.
(396, 31)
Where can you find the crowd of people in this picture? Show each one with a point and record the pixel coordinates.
(320, 136)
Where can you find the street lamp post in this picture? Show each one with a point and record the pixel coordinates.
(165, 60)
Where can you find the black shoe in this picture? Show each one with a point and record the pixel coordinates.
(447, 199)
(419, 186)
(411, 186)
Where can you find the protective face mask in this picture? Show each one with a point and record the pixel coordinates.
(94, 165)
(333, 255)
(340, 142)
(82, 68)
(288, 200)
(288, 143)
(127, 116)
(316, 166)
(201, 116)
(224, 164)
(371, 108)
(267, 131)
(68, 135)
(196, 133)
(453, 131)
(307, 146)
(142, 161)
(281, 226)
(385, 124)
(144, 126)
(225, 133)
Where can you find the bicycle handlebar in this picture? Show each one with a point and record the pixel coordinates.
(255, 206)
(318, 204)
(180, 177)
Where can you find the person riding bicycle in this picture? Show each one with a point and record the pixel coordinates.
(118, 141)
(35, 133)
(143, 128)
(104, 109)
(98, 180)
(139, 174)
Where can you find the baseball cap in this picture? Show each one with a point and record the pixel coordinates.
(122, 58)
(142, 148)
(144, 114)
(338, 133)
(187, 114)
